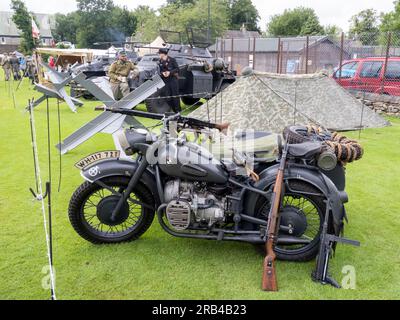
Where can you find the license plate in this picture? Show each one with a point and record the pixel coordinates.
(96, 157)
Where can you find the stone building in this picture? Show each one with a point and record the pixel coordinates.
(10, 36)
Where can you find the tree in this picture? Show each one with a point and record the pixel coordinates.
(123, 23)
(102, 21)
(23, 21)
(93, 6)
(243, 12)
(147, 24)
(295, 22)
(93, 21)
(66, 27)
(365, 26)
(178, 18)
(391, 20)
(332, 30)
(181, 2)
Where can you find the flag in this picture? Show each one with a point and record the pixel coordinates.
(35, 30)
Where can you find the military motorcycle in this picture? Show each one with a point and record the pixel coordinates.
(195, 195)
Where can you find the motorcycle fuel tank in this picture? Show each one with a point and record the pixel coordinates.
(190, 162)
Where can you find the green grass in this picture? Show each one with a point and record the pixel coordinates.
(159, 266)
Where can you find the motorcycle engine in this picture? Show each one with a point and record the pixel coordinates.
(188, 203)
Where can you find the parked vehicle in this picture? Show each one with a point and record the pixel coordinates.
(195, 195)
(368, 74)
(98, 68)
(200, 74)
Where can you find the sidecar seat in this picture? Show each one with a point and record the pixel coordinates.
(263, 146)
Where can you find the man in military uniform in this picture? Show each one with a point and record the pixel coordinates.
(5, 63)
(15, 66)
(119, 72)
(169, 71)
(30, 69)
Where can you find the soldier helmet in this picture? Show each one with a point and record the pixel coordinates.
(163, 51)
(122, 53)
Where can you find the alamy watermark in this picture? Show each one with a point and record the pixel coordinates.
(349, 281)
(46, 280)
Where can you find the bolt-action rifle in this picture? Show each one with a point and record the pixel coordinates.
(269, 280)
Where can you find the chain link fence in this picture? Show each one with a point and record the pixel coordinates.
(368, 63)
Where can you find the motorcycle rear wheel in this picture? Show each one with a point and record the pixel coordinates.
(91, 206)
(311, 209)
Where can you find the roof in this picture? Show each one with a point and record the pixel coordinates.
(9, 29)
(88, 54)
(294, 44)
(237, 34)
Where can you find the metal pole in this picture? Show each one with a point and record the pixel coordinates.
(223, 48)
(209, 22)
(13, 93)
(281, 59)
(307, 52)
(287, 56)
(248, 51)
(389, 41)
(295, 103)
(278, 56)
(341, 55)
(232, 41)
(254, 53)
(9, 85)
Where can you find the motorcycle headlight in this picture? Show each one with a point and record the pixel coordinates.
(327, 161)
(128, 139)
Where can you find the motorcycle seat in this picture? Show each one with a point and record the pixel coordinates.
(262, 144)
(306, 149)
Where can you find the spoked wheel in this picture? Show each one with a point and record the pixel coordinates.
(91, 207)
(300, 223)
(189, 101)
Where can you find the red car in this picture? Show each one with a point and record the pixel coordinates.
(367, 74)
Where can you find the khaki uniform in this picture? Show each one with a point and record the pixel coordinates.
(31, 70)
(119, 72)
(15, 66)
(6, 64)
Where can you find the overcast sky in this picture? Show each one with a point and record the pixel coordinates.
(336, 12)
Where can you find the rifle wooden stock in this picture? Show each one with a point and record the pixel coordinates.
(269, 280)
(222, 127)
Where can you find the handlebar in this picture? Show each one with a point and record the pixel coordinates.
(168, 117)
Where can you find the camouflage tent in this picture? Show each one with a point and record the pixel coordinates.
(270, 102)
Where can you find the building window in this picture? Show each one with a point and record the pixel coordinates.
(3, 40)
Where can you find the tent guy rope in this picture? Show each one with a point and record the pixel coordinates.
(40, 196)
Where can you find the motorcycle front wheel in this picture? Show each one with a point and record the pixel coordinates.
(91, 206)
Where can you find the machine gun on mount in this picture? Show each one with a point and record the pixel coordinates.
(327, 245)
